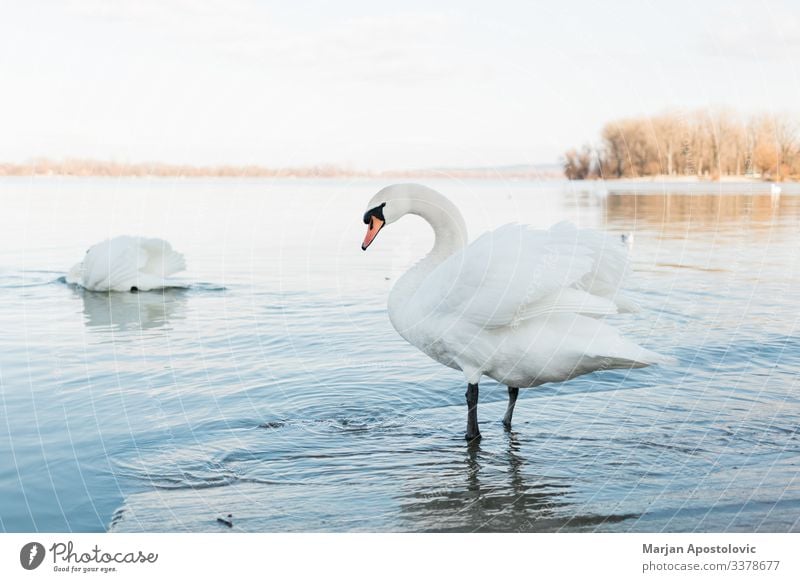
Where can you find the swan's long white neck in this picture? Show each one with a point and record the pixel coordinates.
(448, 225)
(449, 229)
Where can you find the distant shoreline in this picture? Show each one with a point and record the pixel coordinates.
(543, 172)
(83, 168)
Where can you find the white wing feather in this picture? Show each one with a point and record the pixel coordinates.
(515, 273)
(125, 262)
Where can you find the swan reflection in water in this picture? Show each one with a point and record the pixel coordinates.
(492, 492)
(131, 310)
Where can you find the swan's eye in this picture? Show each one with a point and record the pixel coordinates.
(376, 212)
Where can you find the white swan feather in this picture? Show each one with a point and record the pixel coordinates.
(518, 305)
(126, 263)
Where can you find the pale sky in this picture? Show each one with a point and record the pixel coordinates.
(373, 84)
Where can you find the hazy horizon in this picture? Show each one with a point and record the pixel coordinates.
(369, 87)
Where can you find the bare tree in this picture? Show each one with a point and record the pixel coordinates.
(579, 165)
(710, 143)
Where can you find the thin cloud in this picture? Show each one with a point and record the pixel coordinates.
(768, 37)
(408, 48)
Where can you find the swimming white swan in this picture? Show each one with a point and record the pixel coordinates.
(518, 305)
(627, 239)
(127, 263)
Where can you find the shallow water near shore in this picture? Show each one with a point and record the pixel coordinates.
(274, 388)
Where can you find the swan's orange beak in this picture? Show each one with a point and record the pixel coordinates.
(375, 225)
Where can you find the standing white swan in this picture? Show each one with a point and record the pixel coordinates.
(127, 263)
(521, 306)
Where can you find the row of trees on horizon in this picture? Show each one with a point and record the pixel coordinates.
(705, 144)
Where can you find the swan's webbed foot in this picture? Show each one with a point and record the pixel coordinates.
(512, 401)
(473, 433)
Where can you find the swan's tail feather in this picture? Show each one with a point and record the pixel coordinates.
(174, 262)
(161, 259)
(161, 262)
(611, 350)
(637, 359)
(661, 359)
(631, 355)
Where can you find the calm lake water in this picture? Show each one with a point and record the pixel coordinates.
(275, 389)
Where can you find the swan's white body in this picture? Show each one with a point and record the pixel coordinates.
(521, 306)
(125, 263)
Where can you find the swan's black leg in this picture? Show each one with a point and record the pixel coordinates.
(512, 400)
(472, 413)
